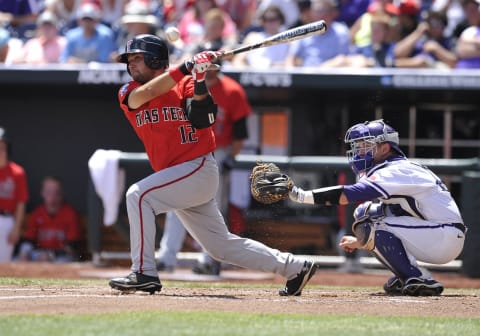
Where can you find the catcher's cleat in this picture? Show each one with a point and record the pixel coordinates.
(422, 287)
(162, 267)
(294, 286)
(137, 281)
(393, 286)
(212, 268)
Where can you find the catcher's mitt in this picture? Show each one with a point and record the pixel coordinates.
(268, 184)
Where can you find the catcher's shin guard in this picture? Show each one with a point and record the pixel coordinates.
(390, 252)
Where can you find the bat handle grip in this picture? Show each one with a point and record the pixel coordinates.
(225, 54)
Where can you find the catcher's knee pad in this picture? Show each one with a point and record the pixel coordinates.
(365, 233)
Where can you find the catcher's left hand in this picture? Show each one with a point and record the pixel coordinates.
(268, 184)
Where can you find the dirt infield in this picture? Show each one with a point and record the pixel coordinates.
(53, 299)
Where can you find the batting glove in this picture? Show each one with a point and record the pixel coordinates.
(202, 62)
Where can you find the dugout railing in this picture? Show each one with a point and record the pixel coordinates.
(467, 169)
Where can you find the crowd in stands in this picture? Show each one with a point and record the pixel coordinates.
(362, 33)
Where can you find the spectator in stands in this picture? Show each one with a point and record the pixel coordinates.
(137, 19)
(351, 10)
(360, 31)
(13, 197)
(4, 38)
(314, 50)
(272, 21)
(52, 232)
(468, 45)
(242, 12)
(377, 53)
(471, 13)
(91, 41)
(289, 9)
(305, 13)
(174, 10)
(47, 46)
(408, 17)
(454, 11)
(213, 35)
(66, 12)
(427, 45)
(112, 10)
(19, 16)
(192, 24)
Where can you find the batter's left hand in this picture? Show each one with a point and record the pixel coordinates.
(202, 62)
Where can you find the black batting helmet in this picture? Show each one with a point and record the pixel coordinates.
(154, 48)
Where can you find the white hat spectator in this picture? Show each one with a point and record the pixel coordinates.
(47, 17)
(138, 12)
(89, 11)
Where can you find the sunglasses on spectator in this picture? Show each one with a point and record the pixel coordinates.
(271, 19)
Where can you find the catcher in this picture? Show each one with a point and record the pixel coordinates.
(405, 214)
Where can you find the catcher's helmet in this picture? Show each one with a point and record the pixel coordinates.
(363, 138)
(154, 48)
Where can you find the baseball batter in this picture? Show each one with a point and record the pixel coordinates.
(230, 130)
(406, 212)
(172, 114)
(13, 198)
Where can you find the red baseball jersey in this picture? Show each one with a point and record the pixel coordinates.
(13, 187)
(163, 126)
(53, 232)
(232, 105)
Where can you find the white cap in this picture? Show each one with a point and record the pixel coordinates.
(138, 12)
(47, 17)
(89, 10)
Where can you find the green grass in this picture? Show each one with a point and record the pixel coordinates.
(231, 324)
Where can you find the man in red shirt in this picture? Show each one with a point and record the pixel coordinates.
(13, 198)
(172, 114)
(53, 228)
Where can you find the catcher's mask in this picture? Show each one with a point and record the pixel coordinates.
(363, 139)
(154, 48)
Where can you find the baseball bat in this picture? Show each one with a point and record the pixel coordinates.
(309, 29)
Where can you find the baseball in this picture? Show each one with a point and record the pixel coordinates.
(172, 34)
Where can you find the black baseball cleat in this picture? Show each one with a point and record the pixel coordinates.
(137, 281)
(212, 268)
(294, 287)
(162, 267)
(393, 286)
(422, 287)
